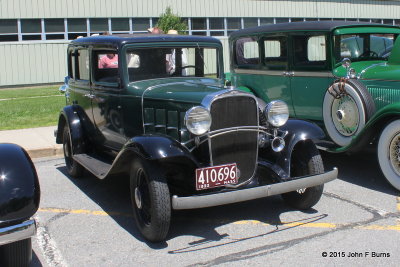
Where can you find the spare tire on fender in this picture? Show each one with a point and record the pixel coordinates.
(346, 114)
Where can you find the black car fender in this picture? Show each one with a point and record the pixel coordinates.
(19, 184)
(154, 148)
(297, 131)
(70, 115)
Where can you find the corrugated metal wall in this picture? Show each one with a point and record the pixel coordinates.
(31, 63)
(198, 8)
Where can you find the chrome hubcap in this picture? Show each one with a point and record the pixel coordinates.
(138, 198)
(394, 153)
(345, 115)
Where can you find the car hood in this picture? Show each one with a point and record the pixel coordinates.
(375, 70)
(176, 90)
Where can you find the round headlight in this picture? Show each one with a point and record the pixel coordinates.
(277, 113)
(198, 120)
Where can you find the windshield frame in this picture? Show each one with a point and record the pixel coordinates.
(171, 45)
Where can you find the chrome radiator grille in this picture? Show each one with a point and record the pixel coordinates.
(235, 147)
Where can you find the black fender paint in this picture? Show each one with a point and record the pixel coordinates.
(19, 184)
(298, 131)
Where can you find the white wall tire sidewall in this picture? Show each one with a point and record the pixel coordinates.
(387, 135)
(330, 127)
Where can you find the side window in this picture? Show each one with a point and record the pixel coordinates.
(275, 53)
(105, 66)
(247, 52)
(309, 52)
(83, 64)
(71, 63)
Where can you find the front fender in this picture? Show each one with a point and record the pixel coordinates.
(372, 129)
(19, 184)
(298, 131)
(70, 115)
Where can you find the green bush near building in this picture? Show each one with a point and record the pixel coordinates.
(29, 107)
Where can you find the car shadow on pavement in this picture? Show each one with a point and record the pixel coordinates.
(113, 196)
(360, 169)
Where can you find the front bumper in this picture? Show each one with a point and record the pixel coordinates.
(195, 202)
(17, 232)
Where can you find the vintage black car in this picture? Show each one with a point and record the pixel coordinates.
(155, 107)
(19, 201)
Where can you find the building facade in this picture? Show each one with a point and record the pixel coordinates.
(34, 33)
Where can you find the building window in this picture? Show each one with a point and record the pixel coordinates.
(8, 30)
(281, 20)
(76, 27)
(250, 22)
(120, 25)
(141, 24)
(266, 21)
(98, 25)
(31, 29)
(54, 29)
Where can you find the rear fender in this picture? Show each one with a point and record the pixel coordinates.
(19, 184)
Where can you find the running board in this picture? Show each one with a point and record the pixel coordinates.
(98, 167)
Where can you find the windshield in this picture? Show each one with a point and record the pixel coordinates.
(152, 63)
(361, 47)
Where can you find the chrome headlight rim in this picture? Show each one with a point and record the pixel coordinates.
(274, 116)
(189, 124)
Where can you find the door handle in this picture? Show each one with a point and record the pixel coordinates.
(91, 96)
(288, 73)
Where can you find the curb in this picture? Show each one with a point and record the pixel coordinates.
(46, 152)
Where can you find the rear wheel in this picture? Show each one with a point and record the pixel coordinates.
(306, 160)
(150, 200)
(74, 169)
(16, 254)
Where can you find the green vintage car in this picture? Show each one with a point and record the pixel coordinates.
(154, 109)
(344, 76)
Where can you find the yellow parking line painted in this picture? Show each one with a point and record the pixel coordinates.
(88, 212)
(243, 222)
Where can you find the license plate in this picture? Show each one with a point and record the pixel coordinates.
(216, 176)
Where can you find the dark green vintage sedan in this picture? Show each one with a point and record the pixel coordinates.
(155, 108)
(344, 76)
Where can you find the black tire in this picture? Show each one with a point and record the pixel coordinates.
(16, 254)
(347, 116)
(306, 160)
(150, 199)
(74, 169)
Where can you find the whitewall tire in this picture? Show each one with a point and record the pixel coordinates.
(346, 117)
(389, 153)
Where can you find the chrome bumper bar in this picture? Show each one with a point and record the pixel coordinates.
(17, 232)
(195, 202)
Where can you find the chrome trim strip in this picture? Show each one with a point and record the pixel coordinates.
(17, 232)
(211, 200)
(261, 72)
(286, 73)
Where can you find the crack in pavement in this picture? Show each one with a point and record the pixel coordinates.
(272, 248)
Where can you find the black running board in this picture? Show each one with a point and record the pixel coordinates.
(98, 167)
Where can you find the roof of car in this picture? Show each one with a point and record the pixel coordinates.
(305, 26)
(120, 39)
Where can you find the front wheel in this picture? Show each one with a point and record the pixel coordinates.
(16, 254)
(306, 160)
(150, 200)
(74, 169)
(389, 153)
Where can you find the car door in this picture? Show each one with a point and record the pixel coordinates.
(260, 64)
(80, 84)
(310, 75)
(106, 98)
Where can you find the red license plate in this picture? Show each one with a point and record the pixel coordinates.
(216, 176)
